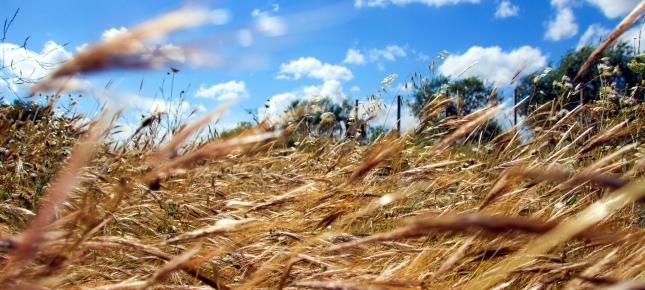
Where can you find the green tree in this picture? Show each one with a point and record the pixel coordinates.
(611, 70)
(312, 112)
(375, 132)
(241, 127)
(470, 94)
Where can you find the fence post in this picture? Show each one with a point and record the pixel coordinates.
(515, 107)
(398, 114)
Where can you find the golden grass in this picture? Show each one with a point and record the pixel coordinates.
(563, 209)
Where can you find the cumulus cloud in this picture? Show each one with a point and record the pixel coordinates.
(331, 87)
(492, 63)
(113, 32)
(224, 91)
(123, 130)
(22, 67)
(245, 37)
(355, 89)
(257, 12)
(561, 3)
(389, 53)
(593, 35)
(423, 57)
(201, 108)
(562, 26)
(219, 16)
(332, 90)
(267, 24)
(153, 105)
(614, 8)
(354, 56)
(506, 9)
(385, 3)
(314, 68)
(278, 104)
(271, 26)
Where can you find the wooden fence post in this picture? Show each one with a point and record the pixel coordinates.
(515, 107)
(398, 114)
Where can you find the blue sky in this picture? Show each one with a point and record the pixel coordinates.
(278, 51)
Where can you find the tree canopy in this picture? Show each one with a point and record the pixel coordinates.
(611, 71)
(470, 94)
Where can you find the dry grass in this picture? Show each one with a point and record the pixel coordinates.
(561, 210)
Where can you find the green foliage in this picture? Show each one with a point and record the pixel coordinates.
(375, 132)
(241, 127)
(470, 94)
(637, 65)
(315, 109)
(612, 70)
(310, 113)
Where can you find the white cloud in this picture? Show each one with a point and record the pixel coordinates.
(390, 53)
(422, 57)
(257, 12)
(21, 67)
(563, 26)
(124, 130)
(385, 3)
(354, 56)
(493, 64)
(245, 37)
(506, 9)
(594, 34)
(313, 68)
(331, 89)
(271, 25)
(277, 105)
(355, 89)
(173, 53)
(113, 32)
(614, 8)
(153, 105)
(224, 91)
(219, 16)
(144, 106)
(561, 3)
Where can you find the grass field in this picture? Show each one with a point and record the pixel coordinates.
(560, 207)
